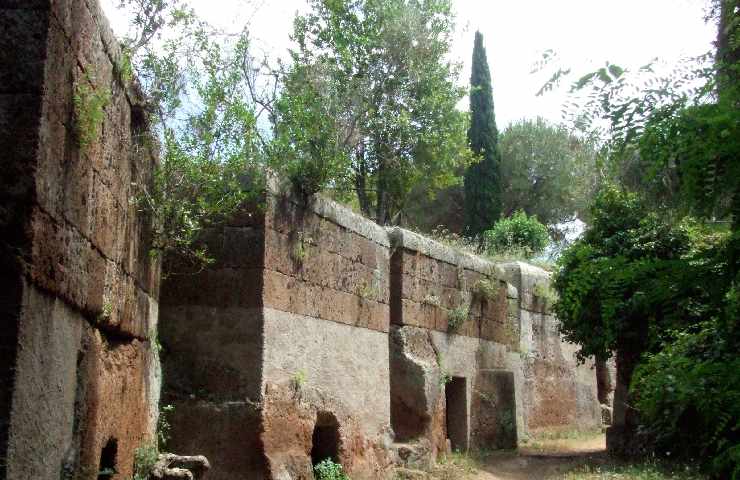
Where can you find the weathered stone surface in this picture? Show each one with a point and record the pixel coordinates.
(222, 361)
(493, 409)
(82, 301)
(173, 467)
(227, 433)
(531, 284)
(414, 383)
(341, 361)
(291, 417)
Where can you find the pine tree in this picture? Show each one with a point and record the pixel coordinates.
(482, 178)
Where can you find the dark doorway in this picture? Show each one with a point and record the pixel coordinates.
(107, 467)
(325, 439)
(456, 396)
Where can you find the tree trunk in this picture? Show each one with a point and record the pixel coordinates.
(361, 183)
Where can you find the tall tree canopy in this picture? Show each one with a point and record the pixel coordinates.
(547, 171)
(482, 178)
(369, 103)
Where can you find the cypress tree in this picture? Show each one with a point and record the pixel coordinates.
(482, 179)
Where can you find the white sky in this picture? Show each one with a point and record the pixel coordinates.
(584, 33)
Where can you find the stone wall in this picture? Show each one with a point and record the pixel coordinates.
(556, 391)
(318, 332)
(451, 326)
(326, 314)
(291, 323)
(80, 379)
(315, 333)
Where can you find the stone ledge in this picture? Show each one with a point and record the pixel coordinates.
(334, 212)
(402, 238)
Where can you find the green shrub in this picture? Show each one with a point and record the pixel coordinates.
(456, 317)
(518, 232)
(688, 395)
(328, 470)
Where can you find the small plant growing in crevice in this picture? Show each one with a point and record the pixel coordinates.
(444, 376)
(366, 290)
(457, 316)
(298, 250)
(163, 426)
(124, 67)
(327, 469)
(432, 300)
(145, 457)
(298, 379)
(106, 312)
(486, 289)
(89, 105)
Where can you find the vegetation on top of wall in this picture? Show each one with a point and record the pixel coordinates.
(209, 144)
(518, 232)
(375, 119)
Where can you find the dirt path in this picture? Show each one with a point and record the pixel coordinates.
(544, 460)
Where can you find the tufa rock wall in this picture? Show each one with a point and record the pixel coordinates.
(80, 377)
(557, 391)
(317, 333)
(291, 323)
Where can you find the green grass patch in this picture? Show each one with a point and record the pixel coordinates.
(650, 470)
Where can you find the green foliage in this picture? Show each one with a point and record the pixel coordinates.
(369, 103)
(457, 316)
(482, 178)
(329, 470)
(145, 457)
(547, 171)
(298, 250)
(307, 148)
(298, 379)
(89, 110)
(444, 378)
(487, 289)
(210, 145)
(633, 276)
(367, 290)
(703, 144)
(640, 285)
(163, 426)
(518, 232)
(432, 300)
(688, 392)
(645, 470)
(546, 293)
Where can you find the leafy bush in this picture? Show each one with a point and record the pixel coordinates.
(518, 232)
(688, 393)
(329, 470)
(456, 317)
(661, 295)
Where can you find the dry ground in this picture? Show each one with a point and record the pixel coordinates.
(556, 456)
